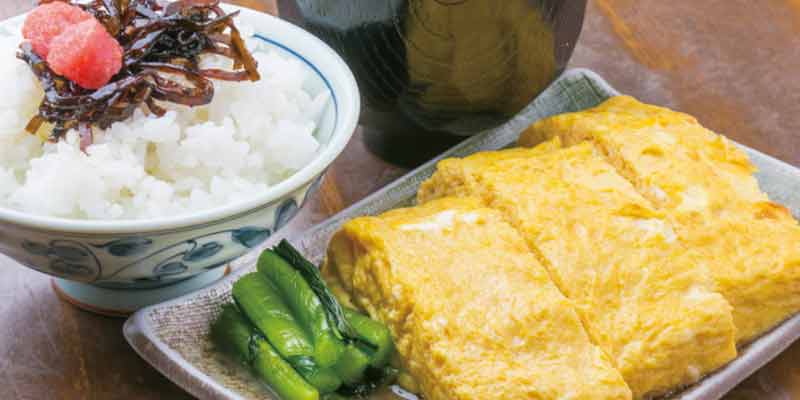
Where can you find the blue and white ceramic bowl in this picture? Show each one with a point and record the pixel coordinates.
(146, 254)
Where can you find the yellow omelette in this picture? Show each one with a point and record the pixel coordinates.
(473, 313)
(706, 186)
(645, 299)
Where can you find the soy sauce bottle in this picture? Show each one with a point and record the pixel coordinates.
(432, 72)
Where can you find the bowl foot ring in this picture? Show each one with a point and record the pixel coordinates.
(121, 303)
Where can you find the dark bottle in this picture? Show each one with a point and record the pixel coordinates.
(434, 71)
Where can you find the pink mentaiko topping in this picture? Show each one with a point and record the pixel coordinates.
(86, 54)
(47, 21)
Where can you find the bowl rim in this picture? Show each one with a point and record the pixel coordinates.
(348, 106)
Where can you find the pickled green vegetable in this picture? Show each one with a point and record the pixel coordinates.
(260, 301)
(374, 333)
(232, 333)
(305, 305)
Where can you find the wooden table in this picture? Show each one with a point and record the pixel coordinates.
(731, 63)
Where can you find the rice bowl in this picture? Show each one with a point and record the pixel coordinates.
(192, 159)
(168, 254)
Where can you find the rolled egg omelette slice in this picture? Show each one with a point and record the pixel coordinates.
(705, 184)
(472, 312)
(645, 299)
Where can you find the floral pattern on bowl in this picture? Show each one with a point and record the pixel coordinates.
(148, 261)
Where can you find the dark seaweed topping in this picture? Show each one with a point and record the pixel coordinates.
(161, 46)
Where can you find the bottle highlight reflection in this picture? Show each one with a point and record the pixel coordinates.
(434, 71)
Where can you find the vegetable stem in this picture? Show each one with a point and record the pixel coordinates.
(305, 305)
(352, 364)
(324, 379)
(262, 305)
(313, 277)
(234, 334)
(374, 333)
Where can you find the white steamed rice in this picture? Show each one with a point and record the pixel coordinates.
(252, 136)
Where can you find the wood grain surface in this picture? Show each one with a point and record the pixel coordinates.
(731, 63)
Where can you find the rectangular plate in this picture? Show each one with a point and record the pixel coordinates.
(172, 336)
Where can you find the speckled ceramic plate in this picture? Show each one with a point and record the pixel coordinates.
(172, 336)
